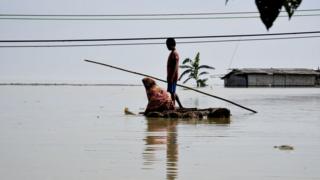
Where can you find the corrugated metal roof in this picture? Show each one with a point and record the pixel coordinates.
(271, 71)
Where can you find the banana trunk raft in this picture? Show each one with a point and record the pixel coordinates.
(191, 113)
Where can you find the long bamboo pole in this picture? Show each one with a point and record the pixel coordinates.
(196, 90)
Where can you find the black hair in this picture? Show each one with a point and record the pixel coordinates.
(171, 42)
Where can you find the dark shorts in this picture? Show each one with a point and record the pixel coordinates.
(172, 87)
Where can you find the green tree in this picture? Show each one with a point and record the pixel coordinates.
(270, 9)
(193, 68)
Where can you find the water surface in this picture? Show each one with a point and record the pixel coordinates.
(65, 133)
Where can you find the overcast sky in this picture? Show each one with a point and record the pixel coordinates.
(67, 65)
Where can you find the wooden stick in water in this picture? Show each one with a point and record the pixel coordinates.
(196, 90)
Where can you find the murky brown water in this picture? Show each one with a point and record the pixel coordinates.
(82, 133)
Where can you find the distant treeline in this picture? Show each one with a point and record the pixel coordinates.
(64, 84)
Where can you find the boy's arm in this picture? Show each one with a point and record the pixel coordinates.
(174, 69)
(176, 65)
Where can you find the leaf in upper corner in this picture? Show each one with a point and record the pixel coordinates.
(291, 6)
(269, 10)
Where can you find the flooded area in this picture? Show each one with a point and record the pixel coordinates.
(74, 133)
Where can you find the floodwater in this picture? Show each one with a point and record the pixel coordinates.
(81, 133)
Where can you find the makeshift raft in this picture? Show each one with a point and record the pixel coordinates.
(191, 113)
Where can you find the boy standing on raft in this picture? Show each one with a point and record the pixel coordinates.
(172, 70)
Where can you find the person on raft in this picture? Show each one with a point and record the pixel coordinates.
(158, 99)
(172, 70)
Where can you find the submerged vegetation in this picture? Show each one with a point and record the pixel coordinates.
(192, 68)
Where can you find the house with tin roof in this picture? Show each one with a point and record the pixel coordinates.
(272, 77)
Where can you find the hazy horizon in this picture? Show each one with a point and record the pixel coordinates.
(66, 64)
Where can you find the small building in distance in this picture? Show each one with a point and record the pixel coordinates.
(318, 77)
(272, 77)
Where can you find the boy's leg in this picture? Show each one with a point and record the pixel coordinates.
(178, 100)
(176, 97)
(170, 89)
(173, 98)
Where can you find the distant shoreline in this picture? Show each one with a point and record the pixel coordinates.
(65, 84)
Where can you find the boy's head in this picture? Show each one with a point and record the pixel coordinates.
(171, 44)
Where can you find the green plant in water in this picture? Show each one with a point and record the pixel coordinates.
(192, 69)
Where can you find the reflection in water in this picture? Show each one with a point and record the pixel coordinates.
(162, 136)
